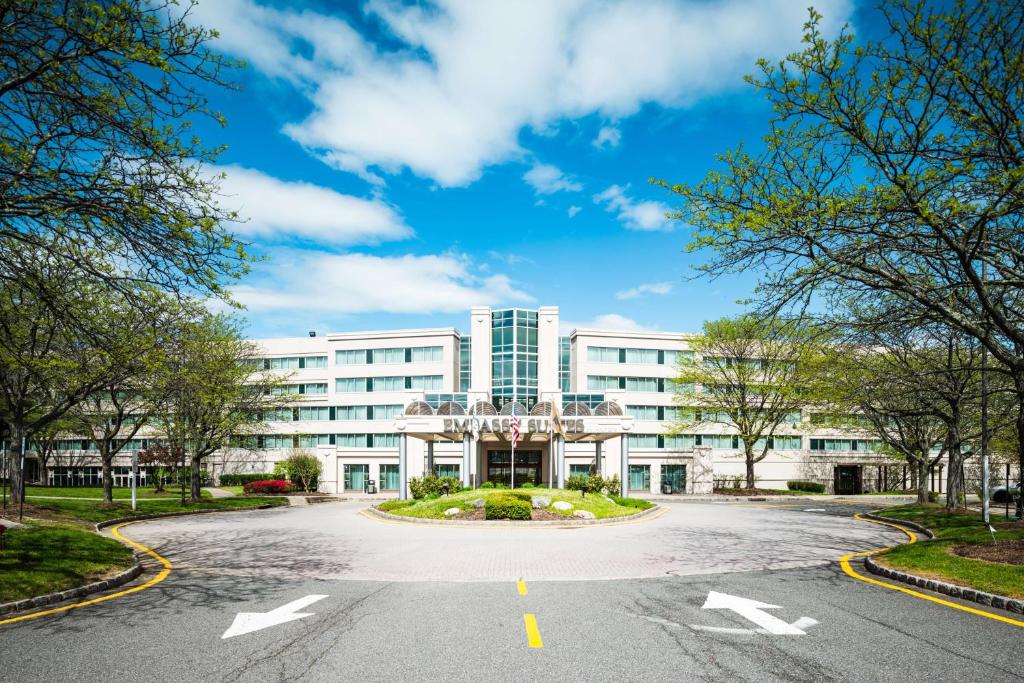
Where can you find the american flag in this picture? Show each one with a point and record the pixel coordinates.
(515, 428)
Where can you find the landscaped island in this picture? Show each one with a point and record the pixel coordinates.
(538, 504)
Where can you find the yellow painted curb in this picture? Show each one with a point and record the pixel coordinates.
(844, 562)
(135, 589)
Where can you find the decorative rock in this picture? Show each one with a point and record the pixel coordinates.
(540, 502)
(452, 511)
(584, 514)
(477, 503)
(562, 505)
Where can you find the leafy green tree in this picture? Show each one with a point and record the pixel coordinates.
(303, 468)
(893, 166)
(747, 374)
(212, 392)
(97, 153)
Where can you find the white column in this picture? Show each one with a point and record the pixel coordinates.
(560, 460)
(466, 439)
(430, 459)
(625, 465)
(403, 467)
(597, 458)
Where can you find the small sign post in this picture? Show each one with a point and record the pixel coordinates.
(135, 476)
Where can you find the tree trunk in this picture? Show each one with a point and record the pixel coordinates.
(107, 473)
(44, 469)
(14, 464)
(1018, 380)
(194, 487)
(749, 452)
(922, 480)
(954, 478)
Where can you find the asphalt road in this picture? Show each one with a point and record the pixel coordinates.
(424, 603)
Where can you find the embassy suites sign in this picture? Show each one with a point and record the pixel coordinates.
(501, 425)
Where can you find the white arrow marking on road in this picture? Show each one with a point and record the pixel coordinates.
(247, 622)
(815, 510)
(751, 610)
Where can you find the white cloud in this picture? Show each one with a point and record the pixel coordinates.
(636, 215)
(339, 284)
(573, 210)
(605, 321)
(548, 179)
(510, 258)
(658, 288)
(449, 86)
(608, 136)
(278, 210)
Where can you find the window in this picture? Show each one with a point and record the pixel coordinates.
(675, 477)
(641, 384)
(315, 388)
(643, 412)
(426, 354)
(349, 385)
(289, 363)
(446, 471)
(643, 441)
(680, 441)
(639, 477)
(426, 382)
(602, 354)
(318, 414)
(351, 440)
(642, 356)
(723, 441)
(350, 357)
(601, 382)
(579, 470)
(350, 412)
(383, 441)
(278, 441)
(386, 412)
(787, 443)
(387, 356)
(314, 440)
(279, 415)
(869, 445)
(387, 384)
(678, 357)
(465, 362)
(356, 476)
(389, 477)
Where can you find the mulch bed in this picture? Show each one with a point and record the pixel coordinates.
(477, 514)
(1004, 552)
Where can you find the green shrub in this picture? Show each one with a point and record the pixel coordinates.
(637, 503)
(243, 479)
(303, 470)
(416, 489)
(809, 486)
(613, 485)
(933, 497)
(506, 506)
(577, 482)
(389, 505)
(421, 487)
(521, 495)
(487, 485)
(528, 485)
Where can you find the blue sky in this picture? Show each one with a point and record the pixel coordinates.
(399, 163)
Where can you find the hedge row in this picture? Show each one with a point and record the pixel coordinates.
(271, 486)
(808, 486)
(243, 479)
(505, 506)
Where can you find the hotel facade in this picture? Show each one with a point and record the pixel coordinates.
(380, 407)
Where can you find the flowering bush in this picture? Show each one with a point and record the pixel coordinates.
(269, 486)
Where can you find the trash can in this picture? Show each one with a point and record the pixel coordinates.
(666, 487)
(371, 486)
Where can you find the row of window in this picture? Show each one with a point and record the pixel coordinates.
(639, 384)
(678, 414)
(330, 413)
(369, 384)
(393, 356)
(288, 363)
(870, 445)
(357, 474)
(304, 388)
(273, 441)
(722, 441)
(89, 445)
(607, 354)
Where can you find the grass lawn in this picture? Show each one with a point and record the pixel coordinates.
(237, 490)
(601, 506)
(763, 492)
(97, 492)
(45, 557)
(935, 558)
(96, 511)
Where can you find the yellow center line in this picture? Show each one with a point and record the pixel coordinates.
(521, 585)
(115, 531)
(844, 562)
(532, 632)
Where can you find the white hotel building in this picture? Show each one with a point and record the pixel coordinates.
(389, 405)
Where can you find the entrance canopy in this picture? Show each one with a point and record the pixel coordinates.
(576, 422)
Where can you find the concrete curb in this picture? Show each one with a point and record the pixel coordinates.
(718, 498)
(902, 522)
(71, 593)
(950, 589)
(569, 522)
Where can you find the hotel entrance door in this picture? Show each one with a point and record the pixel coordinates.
(528, 463)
